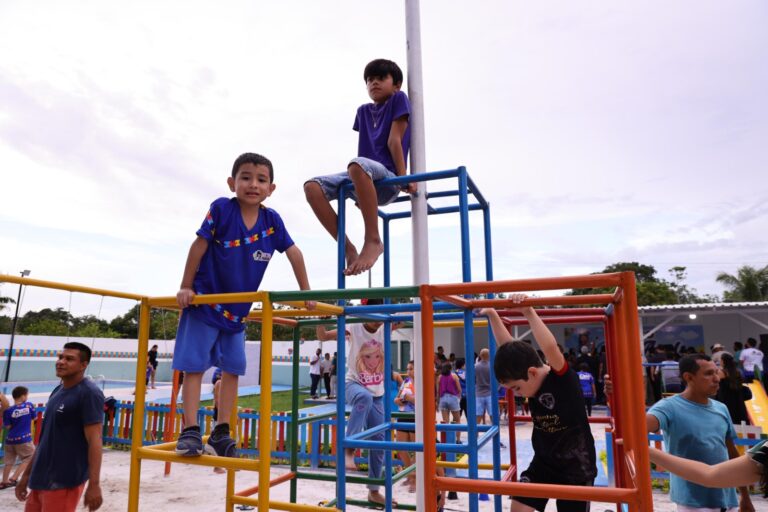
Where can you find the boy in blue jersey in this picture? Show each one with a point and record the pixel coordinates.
(230, 254)
(382, 152)
(17, 418)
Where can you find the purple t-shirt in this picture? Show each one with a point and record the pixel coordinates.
(374, 121)
(235, 260)
(18, 418)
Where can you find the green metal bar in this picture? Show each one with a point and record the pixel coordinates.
(294, 427)
(312, 419)
(370, 504)
(350, 293)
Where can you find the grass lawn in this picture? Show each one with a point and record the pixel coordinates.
(281, 401)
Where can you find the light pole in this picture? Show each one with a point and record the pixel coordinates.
(24, 273)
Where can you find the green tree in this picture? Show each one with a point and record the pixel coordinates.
(750, 284)
(6, 322)
(48, 322)
(651, 290)
(162, 326)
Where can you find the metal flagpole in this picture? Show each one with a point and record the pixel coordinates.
(418, 208)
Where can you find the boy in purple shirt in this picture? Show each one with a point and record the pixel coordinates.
(382, 151)
(17, 418)
(230, 254)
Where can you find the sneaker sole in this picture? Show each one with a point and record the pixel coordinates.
(189, 453)
(210, 450)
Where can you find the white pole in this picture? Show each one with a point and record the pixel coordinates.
(418, 208)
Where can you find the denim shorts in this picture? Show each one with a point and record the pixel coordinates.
(483, 405)
(449, 402)
(331, 183)
(200, 346)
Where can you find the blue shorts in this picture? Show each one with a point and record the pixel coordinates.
(331, 183)
(483, 405)
(449, 402)
(200, 346)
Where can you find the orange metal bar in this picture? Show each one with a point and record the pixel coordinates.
(634, 378)
(455, 300)
(559, 320)
(555, 312)
(429, 430)
(567, 492)
(524, 285)
(279, 480)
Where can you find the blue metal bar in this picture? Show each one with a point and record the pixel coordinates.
(341, 237)
(495, 418)
(476, 192)
(387, 415)
(387, 259)
(466, 263)
(436, 211)
(430, 195)
(341, 345)
(488, 250)
(469, 345)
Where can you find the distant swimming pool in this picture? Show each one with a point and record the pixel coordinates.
(46, 386)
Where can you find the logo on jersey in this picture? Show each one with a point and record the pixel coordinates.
(547, 400)
(261, 256)
(61, 408)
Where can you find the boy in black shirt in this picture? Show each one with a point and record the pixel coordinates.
(563, 446)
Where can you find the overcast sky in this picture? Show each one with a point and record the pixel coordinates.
(599, 131)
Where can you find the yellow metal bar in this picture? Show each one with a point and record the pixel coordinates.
(288, 313)
(4, 278)
(148, 453)
(282, 505)
(464, 465)
(321, 307)
(214, 298)
(138, 406)
(265, 407)
(460, 323)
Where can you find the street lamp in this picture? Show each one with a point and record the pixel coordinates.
(24, 273)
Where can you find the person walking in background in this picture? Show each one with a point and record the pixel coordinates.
(315, 372)
(69, 452)
(587, 382)
(751, 358)
(334, 379)
(325, 368)
(17, 420)
(448, 395)
(152, 359)
(483, 392)
(732, 391)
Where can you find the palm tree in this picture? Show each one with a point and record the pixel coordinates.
(750, 284)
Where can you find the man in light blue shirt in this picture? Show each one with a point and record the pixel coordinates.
(698, 428)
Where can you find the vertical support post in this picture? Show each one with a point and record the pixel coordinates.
(265, 407)
(488, 246)
(138, 406)
(495, 417)
(419, 233)
(388, 412)
(294, 424)
(387, 260)
(341, 389)
(466, 260)
(427, 433)
(633, 368)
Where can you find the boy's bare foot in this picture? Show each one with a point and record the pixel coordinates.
(378, 498)
(368, 256)
(349, 460)
(350, 252)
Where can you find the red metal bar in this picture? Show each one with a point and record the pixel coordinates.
(564, 300)
(279, 480)
(455, 300)
(559, 320)
(555, 312)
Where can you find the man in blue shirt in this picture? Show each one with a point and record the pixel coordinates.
(698, 428)
(17, 418)
(69, 452)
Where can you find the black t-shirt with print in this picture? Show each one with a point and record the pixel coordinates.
(562, 440)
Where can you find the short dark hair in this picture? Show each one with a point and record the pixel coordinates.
(513, 360)
(18, 392)
(690, 363)
(381, 68)
(446, 369)
(460, 362)
(751, 342)
(255, 159)
(583, 367)
(85, 350)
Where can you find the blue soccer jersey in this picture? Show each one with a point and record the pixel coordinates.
(235, 260)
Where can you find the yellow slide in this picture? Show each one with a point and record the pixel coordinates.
(758, 406)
